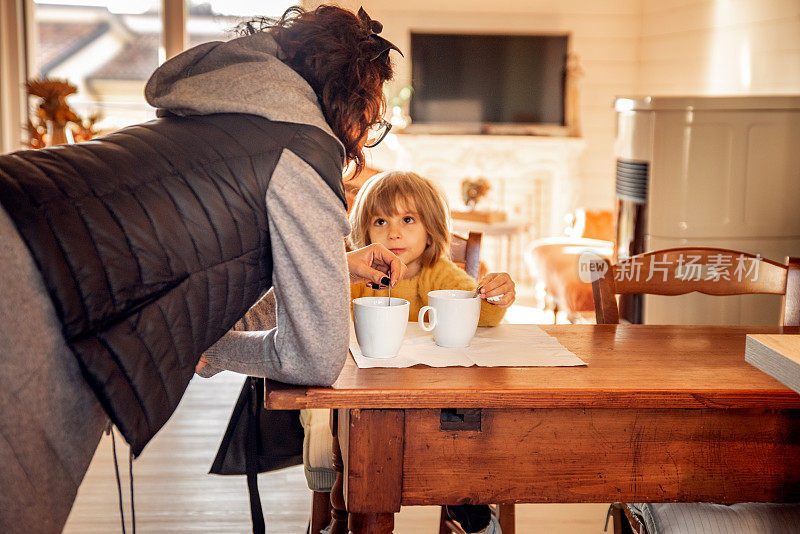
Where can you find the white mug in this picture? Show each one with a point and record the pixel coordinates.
(380, 324)
(454, 316)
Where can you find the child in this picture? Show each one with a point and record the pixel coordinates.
(409, 215)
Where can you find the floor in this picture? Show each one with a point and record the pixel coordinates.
(174, 493)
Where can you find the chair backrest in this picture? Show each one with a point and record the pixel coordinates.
(713, 271)
(466, 252)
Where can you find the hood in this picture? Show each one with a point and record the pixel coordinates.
(243, 75)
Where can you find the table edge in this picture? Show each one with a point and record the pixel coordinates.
(287, 398)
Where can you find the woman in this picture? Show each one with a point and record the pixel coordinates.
(344, 70)
(125, 258)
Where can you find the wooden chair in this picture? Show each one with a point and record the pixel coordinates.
(678, 271)
(712, 271)
(466, 252)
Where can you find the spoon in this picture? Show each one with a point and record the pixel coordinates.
(383, 287)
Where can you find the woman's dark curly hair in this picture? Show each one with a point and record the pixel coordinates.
(335, 52)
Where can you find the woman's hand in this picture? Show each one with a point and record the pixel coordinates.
(373, 263)
(200, 364)
(497, 289)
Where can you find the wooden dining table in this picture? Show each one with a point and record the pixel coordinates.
(658, 414)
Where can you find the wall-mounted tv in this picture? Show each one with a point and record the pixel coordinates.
(487, 83)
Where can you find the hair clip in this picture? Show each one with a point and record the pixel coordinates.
(375, 27)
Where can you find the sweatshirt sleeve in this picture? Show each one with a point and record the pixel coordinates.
(261, 316)
(309, 342)
(447, 275)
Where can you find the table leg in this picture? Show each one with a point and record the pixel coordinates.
(320, 511)
(368, 457)
(338, 511)
(507, 518)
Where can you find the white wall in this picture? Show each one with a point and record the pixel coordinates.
(720, 47)
(604, 34)
(628, 47)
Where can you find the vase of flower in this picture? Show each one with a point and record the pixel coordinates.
(54, 111)
(58, 134)
(474, 190)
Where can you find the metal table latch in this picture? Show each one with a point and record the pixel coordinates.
(460, 419)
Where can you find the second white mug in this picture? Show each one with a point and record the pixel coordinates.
(454, 316)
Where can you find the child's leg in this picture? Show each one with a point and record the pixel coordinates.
(474, 518)
(318, 449)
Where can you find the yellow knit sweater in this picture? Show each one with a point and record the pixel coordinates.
(444, 274)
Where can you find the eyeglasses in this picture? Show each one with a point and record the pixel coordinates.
(377, 132)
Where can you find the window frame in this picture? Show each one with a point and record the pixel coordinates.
(174, 35)
(15, 37)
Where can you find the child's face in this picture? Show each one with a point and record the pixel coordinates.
(403, 233)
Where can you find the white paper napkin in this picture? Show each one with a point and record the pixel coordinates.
(510, 345)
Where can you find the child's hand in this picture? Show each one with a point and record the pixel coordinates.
(497, 289)
(200, 364)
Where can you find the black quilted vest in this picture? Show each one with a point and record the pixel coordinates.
(152, 242)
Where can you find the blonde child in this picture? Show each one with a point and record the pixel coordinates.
(408, 215)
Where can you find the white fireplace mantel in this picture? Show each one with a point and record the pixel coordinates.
(533, 177)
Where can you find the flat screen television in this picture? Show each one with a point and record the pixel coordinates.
(487, 83)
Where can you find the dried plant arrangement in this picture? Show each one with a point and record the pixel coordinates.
(55, 122)
(474, 190)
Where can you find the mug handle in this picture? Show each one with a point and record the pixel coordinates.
(421, 318)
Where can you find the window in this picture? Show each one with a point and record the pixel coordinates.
(215, 20)
(109, 48)
(210, 21)
(106, 48)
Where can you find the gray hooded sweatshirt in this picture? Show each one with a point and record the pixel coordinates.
(50, 421)
(298, 333)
